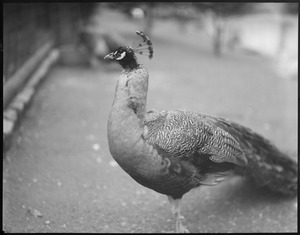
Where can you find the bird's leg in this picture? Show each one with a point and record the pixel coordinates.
(175, 206)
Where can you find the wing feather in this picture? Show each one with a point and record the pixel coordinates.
(188, 135)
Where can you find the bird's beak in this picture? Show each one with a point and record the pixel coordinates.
(109, 56)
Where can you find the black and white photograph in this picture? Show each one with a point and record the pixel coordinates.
(150, 117)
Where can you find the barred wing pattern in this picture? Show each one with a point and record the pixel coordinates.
(189, 135)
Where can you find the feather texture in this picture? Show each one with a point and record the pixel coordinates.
(210, 142)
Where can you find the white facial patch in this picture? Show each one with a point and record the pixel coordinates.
(121, 56)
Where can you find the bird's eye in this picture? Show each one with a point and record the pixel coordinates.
(121, 56)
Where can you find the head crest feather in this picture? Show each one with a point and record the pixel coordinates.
(142, 45)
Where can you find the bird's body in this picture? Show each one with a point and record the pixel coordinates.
(173, 152)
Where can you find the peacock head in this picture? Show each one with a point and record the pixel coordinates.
(125, 55)
(122, 54)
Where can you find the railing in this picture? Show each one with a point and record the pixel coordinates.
(29, 28)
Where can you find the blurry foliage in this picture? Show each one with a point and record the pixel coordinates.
(224, 8)
(215, 13)
(126, 7)
(292, 7)
(87, 9)
(219, 11)
(147, 7)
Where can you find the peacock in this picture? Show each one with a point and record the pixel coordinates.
(173, 152)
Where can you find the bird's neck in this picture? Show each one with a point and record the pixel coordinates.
(126, 120)
(131, 93)
(129, 65)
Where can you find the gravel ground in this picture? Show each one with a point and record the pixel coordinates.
(58, 175)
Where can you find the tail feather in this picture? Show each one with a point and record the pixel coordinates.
(279, 175)
(267, 166)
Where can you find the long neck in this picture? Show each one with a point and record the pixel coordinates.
(129, 65)
(129, 62)
(126, 120)
(131, 93)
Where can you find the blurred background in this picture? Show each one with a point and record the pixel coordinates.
(266, 28)
(235, 60)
